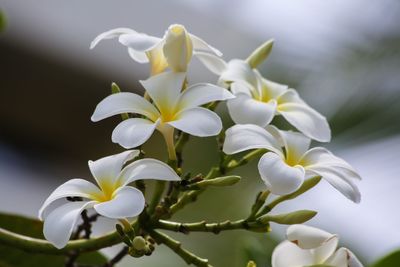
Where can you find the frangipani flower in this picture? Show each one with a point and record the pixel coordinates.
(258, 100)
(309, 246)
(174, 50)
(171, 109)
(112, 198)
(290, 160)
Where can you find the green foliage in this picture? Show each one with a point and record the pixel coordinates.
(390, 260)
(17, 258)
(2, 27)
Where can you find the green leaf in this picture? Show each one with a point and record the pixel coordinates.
(390, 260)
(299, 216)
(11, 257)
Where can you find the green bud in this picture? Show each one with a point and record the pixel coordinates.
(139, 243)
(251, 264)
(260, 54)
(295, 217)
(219, 181)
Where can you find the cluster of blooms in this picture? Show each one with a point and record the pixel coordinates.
(169, 104)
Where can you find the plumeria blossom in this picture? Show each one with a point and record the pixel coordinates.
(309, 246)
(258, 100)
(174, 50)
(171, 109)
(289, 160)
(112, 198)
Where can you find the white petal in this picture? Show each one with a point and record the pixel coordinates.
(243, 137)
(139, 41)
(241, 88)
(270, 89)
(147, 169)
(344, 258)
(127, 202)
(353, 261)
(280, 178)
(287, 254)
(202, 93)
(296, 144)
(326, 250)
(133, 132)
(307, 237)
(178, 48)
(138, 56)
(107, 170)
(124, 102)
(198, 122)
(246, 110)
(200, 45)
(239, 70)
(165, 89)
(114, 33)
(304, 118)
(215, 64)
(71, 188)
(58, 224)
(334, 170)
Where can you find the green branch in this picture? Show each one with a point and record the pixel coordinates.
(176, 246)
(210, 227)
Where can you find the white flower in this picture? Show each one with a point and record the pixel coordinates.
(171, 109)
(113, 198)
(174, 50)
(309, 246)
(290, 160)
(258, 100)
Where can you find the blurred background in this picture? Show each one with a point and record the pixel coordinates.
(342, 56)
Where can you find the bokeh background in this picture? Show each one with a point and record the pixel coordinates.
(342, 56)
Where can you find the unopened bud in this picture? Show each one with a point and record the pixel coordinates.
(260, 54)
(139, 243)
(295, 217)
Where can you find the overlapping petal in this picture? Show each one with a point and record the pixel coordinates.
(71, 188)
(178, 48)
(139, 41)
(307, 237)
(124, 103)
(244, 109)
(133, 132)
(214, 63)
(280, 178)
(147, 169)
(106, 170)
(114, 33)
(288, 254)
(243, 137)
(59, 223)
(239, 70)
(201, 45)
(304, 118)
(198, 122)
(126, 202)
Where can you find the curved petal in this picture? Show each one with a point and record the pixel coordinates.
(326, 250)
(133, 132)
(198, 122)
(245, 110)
(106, 170)
(202, 93)
(139, 41)
(138, 56)
(71, 188)
(114, 33)
(287, 254)
(165, 89)
(124, 102)
(270, 89)
(280, 178)
(304, 118)
(296, 144)
(344, 258)
(307, 237)
(178, 48)
(215, 64)
(200, 44)
(147, 169)
(334, 170)
(243, 137)
(127, 202)
(58, 224)
(239, 70)
(241, 88)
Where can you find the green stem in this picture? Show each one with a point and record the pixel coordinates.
(176, 246)
(158, 191)
(42, 246)
(209, 227)
(233, 164)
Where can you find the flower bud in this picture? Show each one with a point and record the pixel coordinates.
(178, 48)
(139, 243)
(260, 54)
(295, 217)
